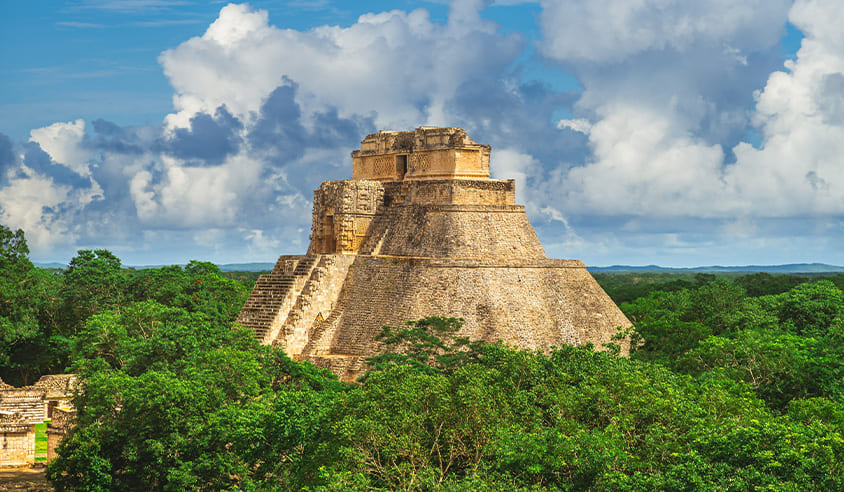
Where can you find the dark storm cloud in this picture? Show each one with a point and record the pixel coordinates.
(279, 128)
(110, 137)
(709, 86)
(8, 161)
(109, 142)
(107, 128)
(522, 118)
(279, 137)
(209, 140)
(115, 206)
(699, 76)
(334, 131)
(39, 161)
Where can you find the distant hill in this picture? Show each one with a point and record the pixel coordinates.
(50, 265)
(790, 268)
(229, 267)
(246, 267)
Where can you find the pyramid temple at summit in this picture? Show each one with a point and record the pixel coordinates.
(421, 230)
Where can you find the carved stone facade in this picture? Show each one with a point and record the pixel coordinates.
(343, 213)
(420, 231)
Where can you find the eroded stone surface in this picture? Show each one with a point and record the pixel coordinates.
(48, 400)
(424, 153)
(420, 231)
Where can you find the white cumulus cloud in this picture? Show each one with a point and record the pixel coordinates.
(800, 167)
(62, 142)
(398, 66)
(613, 30)
(660, 138)
(261, 115)
(581, 125)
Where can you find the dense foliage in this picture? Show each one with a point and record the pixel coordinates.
(42, 314)
(723, 391)
(629, 286)
(786, 346)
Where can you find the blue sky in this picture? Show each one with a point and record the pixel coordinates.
(656, 132)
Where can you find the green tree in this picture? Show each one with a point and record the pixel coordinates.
(573, 419)
(200, 287)
(810, 309)
(669, 324)
(761, 284)
(787, 346)
(171, 400)
(780, 366)
(27, 346)
(663, 329)
(627, 287)
(428, 345)
(93, 282)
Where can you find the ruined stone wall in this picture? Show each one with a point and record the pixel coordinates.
(17, 447)
(380, 167)
(451, 218)
(27, 402)
(531, 304)
(273, 295)
(460, 231)
(17, 437)
(21, 408)
(462, 192)
(57, 387)
(286, 264)
(423, 165)
(440, 218)
(54, 438)
(61, 422)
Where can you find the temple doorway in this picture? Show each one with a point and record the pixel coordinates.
(329, 239)
(401, 166)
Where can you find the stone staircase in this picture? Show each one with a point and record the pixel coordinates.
(405, 185)
(381, 225)
(318, 297)
(273, 295)
(378, 230)
(319, 341)
(285, 304)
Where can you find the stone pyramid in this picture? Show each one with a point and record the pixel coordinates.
(421, 230)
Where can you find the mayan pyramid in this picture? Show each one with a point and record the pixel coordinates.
(421, 230)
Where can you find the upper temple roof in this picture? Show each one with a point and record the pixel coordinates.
(424, 153)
